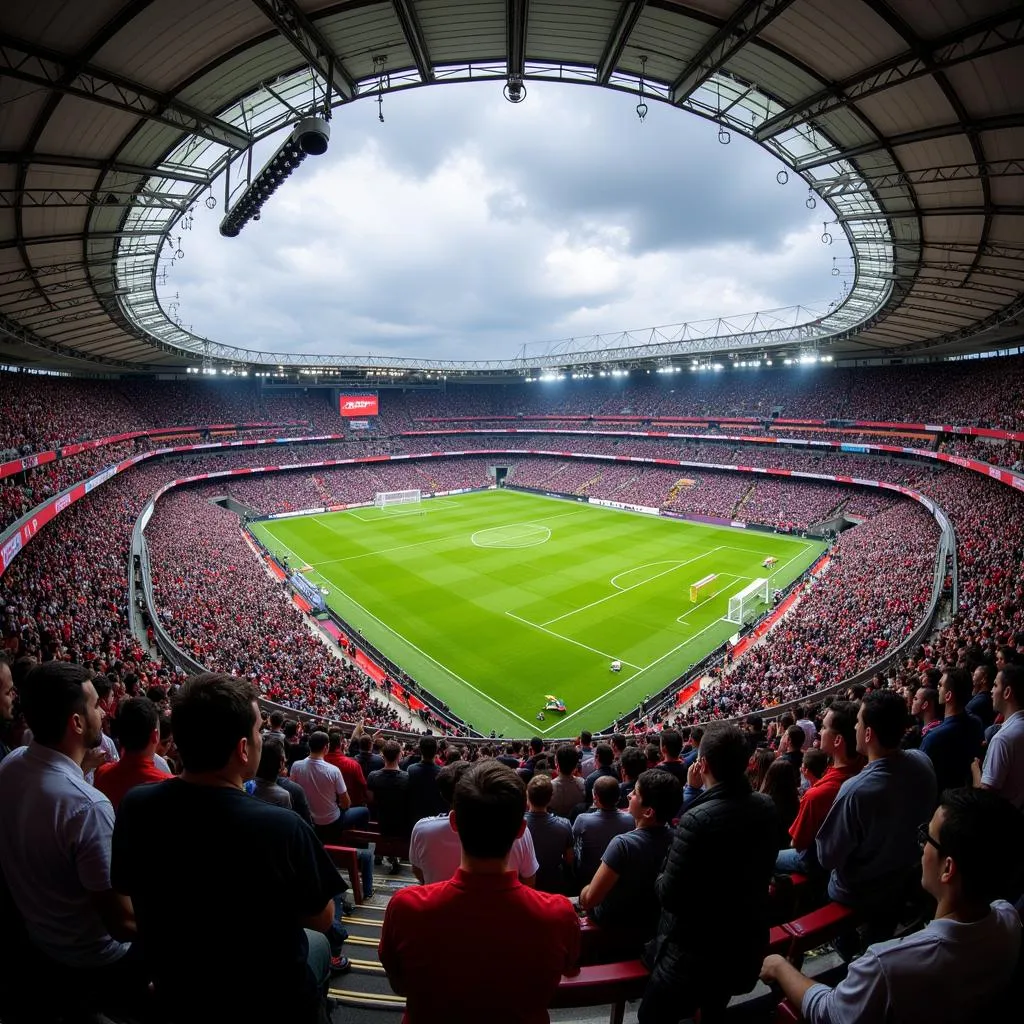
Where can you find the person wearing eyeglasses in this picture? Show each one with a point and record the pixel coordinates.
(959, 967)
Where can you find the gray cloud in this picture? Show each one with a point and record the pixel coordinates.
(465, 228)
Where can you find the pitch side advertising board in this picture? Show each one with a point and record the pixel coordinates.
(358, 406)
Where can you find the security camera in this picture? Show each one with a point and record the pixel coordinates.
(312, 134)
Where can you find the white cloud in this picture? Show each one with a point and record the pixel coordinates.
(465, 228)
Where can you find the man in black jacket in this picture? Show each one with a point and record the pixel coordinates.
(713, 890)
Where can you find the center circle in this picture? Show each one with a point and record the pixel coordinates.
(515, 535)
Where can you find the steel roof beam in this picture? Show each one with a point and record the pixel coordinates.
(34, 198)
(293, 23)
(625, 22)
(938, 211)
(980, 39)
(940, 131)
(414, 39)
(176, 172)
(866, 182)
(749, 19)
(78, 236)
(50, 70)
(517, 15)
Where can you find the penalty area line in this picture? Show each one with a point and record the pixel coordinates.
(569, 640)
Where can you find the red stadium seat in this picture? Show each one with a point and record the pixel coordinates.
(607, 945)
(346, 858)
(818, 927)
(384, 846)
(607, 983)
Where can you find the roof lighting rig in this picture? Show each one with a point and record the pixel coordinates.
(310, 137)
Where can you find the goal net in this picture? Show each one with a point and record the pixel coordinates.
(748, 603)
(702, 587)
(386, 499)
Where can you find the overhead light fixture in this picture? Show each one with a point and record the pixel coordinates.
(310, 137)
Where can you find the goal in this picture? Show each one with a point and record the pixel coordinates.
(386, 499)
(748, 602)
(698, 588)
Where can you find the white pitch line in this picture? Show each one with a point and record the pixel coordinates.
(626, 590)
(569, 640)
(732, 576)
(385, 551)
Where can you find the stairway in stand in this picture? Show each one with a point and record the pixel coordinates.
(747, 495)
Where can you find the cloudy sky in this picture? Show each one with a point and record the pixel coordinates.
(464, 227)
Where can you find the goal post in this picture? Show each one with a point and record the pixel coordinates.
(748, 602)
(702, 587)
(387, 499)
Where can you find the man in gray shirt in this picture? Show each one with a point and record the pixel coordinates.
(552, 836)
(868, 841)
(1004, 760)
(593, 831)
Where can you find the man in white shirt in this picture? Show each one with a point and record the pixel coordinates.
(959, 967)
(55, 840)
(324, 785)
(434, 848)
(1004, 761)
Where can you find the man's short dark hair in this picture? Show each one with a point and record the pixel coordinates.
(802, 712)
(659, 790)
(885, 713)
(618, 741)
(844, 722)
(930, 696)
(135, 722)
(755, 723)
(671, 743)
(335, 739)
(1013, 679)
(604, 756)
(606, 792)
(815, 761)
(634, 762)
(318, 742)
(51, 693)
(392, 751)
(103, 686)
(448, 778)
(290, 729)
(797, 737)
(539, 791)
(428, 747)
(271, 759)
(984, 835)
(585, 737)
(276, 720)
(567, 759)
(209, 715)
(726, 752)
(536, 745)
(489, 803)
(959, 683)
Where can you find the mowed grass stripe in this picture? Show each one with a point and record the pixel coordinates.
(438, 604)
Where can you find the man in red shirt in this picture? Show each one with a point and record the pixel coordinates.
(351, 770)
(485, 980)
(839, 742)
(137, 729)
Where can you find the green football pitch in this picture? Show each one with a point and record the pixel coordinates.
(492, 600)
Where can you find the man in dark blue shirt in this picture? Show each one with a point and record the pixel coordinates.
(980, 705)
(956, 741)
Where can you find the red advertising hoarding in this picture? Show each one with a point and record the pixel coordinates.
(357, 406)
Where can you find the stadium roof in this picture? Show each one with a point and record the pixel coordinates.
(906, 117)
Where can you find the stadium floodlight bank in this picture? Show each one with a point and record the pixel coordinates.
(748, 603)
(386, 499)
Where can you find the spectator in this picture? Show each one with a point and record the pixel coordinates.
(956, 741)
(671, 762)
(594, 830)
(927, 713)
(839, 742)
(226, 848)
(803, 719)
(276, 721)
(351, 770)
(55, 844)
(424, 799)
(389, 797)
(1004, 759)
(757, 767)
(604, 757)
(867, 841)
(324, 786)
(813, 769)
(487, 816)
(713, 890)
(568, 791)
(265, 784)
(980, 704)
(633, 764)
(586, 753)
(782, 785)
(6, 705)
(368, 760)
(791, 747)
(434, 849)
(621, 894)
(958, 967)
(138, 732)
(295, 746)
(551, 835)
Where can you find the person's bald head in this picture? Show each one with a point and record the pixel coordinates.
(606, 792)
